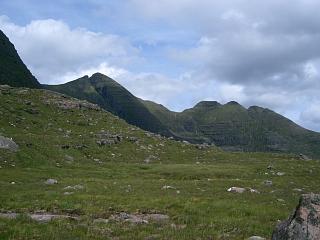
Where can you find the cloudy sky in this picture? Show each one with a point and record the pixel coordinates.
(179, 52)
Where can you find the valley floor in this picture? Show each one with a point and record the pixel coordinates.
(194, 196)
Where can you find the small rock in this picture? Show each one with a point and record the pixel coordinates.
(268, 183)
(8, 143)
(51, 181)
(69, 158)
(254, 190)
(280, 173)
(270, 167)
(256, 238)
(68, 193)
(76, 187)
(168, 187)
(236, 190)
(297, 190)
(153, 237)
(304, 157)
(101, 220)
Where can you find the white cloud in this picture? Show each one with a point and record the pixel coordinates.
(104, 68)
(53, 51)
(311, 116)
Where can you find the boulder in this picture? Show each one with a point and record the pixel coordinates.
(7, 143)
(304, 223)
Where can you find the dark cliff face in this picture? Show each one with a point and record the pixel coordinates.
(13, 71)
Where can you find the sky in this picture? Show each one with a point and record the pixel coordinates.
(180, 52)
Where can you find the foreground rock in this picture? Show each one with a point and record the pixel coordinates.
(39, 217)
(304, 223)
(7, 143)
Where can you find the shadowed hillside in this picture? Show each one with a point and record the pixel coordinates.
(13, 71)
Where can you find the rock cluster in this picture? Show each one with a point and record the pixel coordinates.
(105, 138)
(67, 103)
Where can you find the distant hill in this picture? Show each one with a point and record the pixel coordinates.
(114, 98)
(229, 126)
(233, 127)
(13, 71)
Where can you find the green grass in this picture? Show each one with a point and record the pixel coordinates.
(121, 181)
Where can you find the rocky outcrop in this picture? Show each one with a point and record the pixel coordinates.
(304, 222)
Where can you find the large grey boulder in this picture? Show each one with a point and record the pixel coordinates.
(304, 223)
(7, 143)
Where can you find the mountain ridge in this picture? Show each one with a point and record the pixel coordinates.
(234, 127)
(229, 126)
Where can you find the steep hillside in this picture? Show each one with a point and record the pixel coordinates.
(233, 127)
(13, 71)
(112, 97)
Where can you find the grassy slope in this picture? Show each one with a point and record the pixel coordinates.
(111, 96)
(234, 127)
(13, 72)
(121, 181)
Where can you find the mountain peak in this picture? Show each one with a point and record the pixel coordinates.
(98, 75)
(207, 104)
(233, 103)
